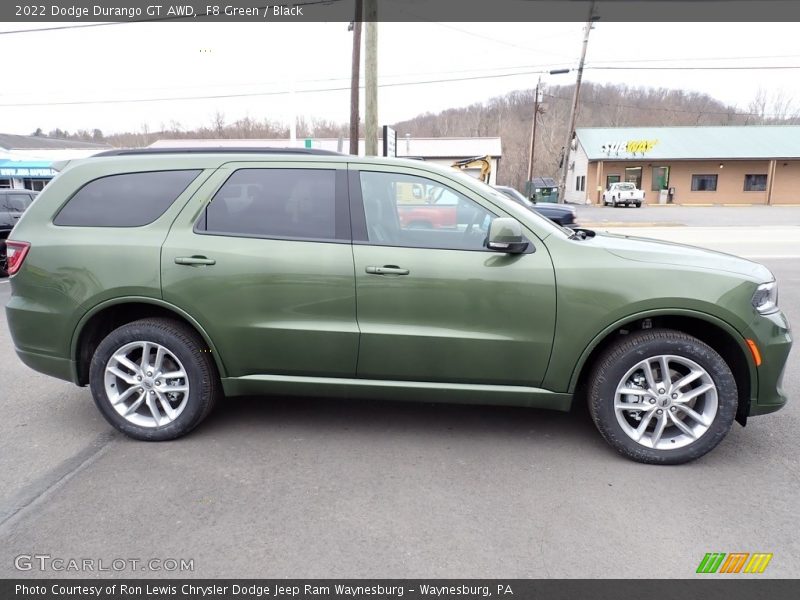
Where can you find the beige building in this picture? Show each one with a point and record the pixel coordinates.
(689, 165)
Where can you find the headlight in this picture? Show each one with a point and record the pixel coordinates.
(765, 298)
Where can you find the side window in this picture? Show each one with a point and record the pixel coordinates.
(404, 210)
(275, 203)
(126, 200)
(14, 202)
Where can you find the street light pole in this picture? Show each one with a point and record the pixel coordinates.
(536, 111)
(562, 187)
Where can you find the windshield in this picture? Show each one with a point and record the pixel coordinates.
(517, 195)
(508, 204)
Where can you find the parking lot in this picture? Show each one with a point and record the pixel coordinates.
(273, 487)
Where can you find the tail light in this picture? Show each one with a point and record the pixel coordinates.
(15, 254)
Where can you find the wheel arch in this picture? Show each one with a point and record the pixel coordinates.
(718, 334)
(107, 316)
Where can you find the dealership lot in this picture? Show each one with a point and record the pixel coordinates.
(320, 488)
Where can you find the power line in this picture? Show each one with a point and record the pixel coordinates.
(708, 68)
(257, 94)
(251, 84)
(692, 59)
(312, 91)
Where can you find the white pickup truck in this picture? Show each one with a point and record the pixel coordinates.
(623, 193)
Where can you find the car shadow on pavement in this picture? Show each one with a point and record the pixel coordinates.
(368, 418)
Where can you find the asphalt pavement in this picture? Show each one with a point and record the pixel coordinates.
(274, 487)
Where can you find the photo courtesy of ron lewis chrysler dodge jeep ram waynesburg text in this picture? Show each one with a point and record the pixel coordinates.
(166, 280)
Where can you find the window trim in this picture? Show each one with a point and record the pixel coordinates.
(198, 172)
(714, 175)
(359, 219)
(341, 208)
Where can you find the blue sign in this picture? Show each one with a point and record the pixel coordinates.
(23, 172)
(31, 169)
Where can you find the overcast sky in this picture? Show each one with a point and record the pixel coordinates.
(175, 60)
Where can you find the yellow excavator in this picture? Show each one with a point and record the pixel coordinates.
(482, 162)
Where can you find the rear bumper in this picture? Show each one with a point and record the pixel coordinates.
(61, 368)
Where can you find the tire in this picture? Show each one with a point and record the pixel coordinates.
(638, 205)
(618, 368)
(190, 397)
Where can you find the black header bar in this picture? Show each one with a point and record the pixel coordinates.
(255, 11)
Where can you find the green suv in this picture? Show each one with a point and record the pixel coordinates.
(166, 280)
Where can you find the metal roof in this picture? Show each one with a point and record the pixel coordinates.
(691, 143)
(34, 142)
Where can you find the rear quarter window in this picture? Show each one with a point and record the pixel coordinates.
(125, 200)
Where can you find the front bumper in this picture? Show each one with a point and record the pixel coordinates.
(772, 335)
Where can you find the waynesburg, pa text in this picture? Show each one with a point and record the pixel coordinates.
(255, 590)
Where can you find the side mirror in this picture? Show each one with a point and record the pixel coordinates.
(505, 235)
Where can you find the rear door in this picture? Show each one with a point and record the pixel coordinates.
(261, 257)
(433, 303)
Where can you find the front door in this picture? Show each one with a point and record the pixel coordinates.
(261, 258)
(433, 303)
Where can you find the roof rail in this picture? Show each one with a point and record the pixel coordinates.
(217, 150)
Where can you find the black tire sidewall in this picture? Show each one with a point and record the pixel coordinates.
(185, 347)
(621, 357)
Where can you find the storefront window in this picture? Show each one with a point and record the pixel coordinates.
(5, 184)
(755, 183)
(37, 185)
(634, 175)
(704, 183)
(660, 178)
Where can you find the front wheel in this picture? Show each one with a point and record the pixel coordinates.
(662, 397)
(154, 379)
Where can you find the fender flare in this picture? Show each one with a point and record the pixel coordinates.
(73, 347)
(679, 312)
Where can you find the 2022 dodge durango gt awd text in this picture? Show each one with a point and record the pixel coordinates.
(165, 280)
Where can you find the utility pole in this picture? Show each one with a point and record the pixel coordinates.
(533, 134)
(355, 79)
(562, 187)
(371, 78)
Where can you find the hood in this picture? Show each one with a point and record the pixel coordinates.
(670, 253)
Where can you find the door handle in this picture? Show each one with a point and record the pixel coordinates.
(194, 260)
(387, 270)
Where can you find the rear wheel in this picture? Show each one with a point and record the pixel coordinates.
(154, 379)
(662, 397)
(638, 205)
